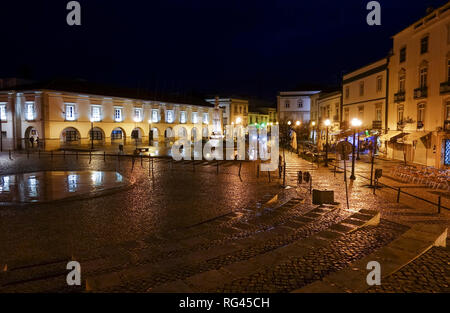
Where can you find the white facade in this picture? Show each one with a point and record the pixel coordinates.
(296, 105)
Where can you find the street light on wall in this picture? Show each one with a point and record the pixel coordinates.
(327, 123)
(355, 123)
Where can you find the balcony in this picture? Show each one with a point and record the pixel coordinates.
(399, 97)
(376, 125)
(420, 93)
(445, 88)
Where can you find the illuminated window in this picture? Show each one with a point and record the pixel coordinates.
(361, 88)
(70, 112)
(194, 117)
(138, 115)
(182, 117)
(421, 112)
(154, 116)
(447, 110)
(118, 114)
(3, 112)
(169, 116)
(378, 112)
(361, 112)
(96, 113)
(347, 92)
(205, 118)
(300, 103)
(287, 104)
(29, 114)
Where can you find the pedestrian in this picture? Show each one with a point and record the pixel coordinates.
(32, 141)
(37, 141)
(280, 165)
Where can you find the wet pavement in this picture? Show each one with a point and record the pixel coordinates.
(37, 187)
(187, 221)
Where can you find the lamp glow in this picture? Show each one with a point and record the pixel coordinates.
(327, 122)
(297, 123)
(289, 123)
(356, 122)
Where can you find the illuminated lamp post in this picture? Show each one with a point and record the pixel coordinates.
(92, 133)
(327, 125)
(355, 124)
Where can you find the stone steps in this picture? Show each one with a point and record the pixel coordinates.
(210, 280)
(393, 257)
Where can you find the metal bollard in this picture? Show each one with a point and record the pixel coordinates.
(240, 166)
(51, 154)
(398, 195)
(10, 156)
(310, 185)
(299, 177)
(104, 156)
(439, 204)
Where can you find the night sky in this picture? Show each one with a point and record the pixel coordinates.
(251, 48)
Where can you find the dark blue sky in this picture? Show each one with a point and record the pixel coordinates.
(247, 47)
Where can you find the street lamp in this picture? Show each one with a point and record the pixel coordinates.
(314, 128)
(92, 133)
(327, 124)
(289, 123)
(136, 120)
(355, 124)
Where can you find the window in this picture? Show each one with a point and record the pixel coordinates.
(421, 112)
(378, 112)
(154, 116)
(361, 89)
(235, 108)
(361, 112)
(447, 152)
(401, 81)
(3, 112)
(447, 111)
(70, 112)
(379, 83)
(347, 92)
(96, 113)
(328, 111)
(116, 134)
(71, 135)
(169, 116)
(194, 117)
(424, 45)
(336, 111)
(183, 117)
(96, 134)
(118, 114)
(448, 70)
(205, 118)
(29, 114)
(300, 103)
(240, 109)
(400, 110)
(423, 77)
(286, 104)
(346, 114)
(138, 115)
(402, 54)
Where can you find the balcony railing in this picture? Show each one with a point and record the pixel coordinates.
(399, 97)
(445, 88)
(421, 92)
(376, 125)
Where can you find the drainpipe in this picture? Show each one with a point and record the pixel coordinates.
(387, 96)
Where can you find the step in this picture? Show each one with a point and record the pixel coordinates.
(400, 252)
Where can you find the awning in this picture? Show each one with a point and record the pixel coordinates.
(388, 136)
(397, 138)
(408, 139)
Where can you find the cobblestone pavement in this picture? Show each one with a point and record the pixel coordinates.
(187, 215)
(317, 262)
(428, 273)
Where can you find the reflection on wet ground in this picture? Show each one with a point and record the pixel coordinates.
(55, 185)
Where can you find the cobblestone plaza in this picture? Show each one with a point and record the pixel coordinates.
(201, 227)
